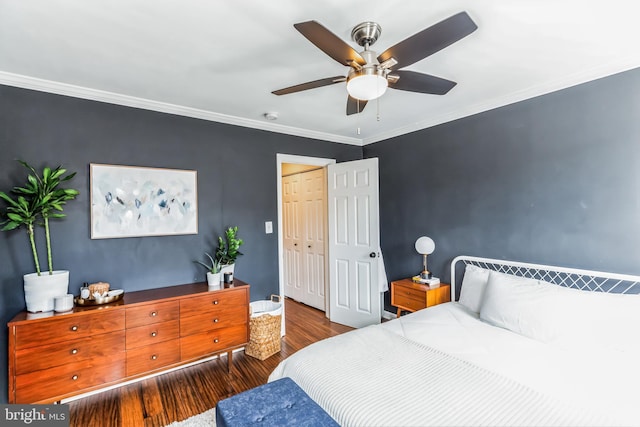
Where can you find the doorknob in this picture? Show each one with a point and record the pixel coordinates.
(372, 255)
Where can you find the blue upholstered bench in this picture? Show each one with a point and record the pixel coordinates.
(279, 403)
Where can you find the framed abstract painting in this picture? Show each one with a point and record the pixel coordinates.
(131, 201)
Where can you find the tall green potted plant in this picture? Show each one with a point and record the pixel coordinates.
(41, 198)
(228, 250)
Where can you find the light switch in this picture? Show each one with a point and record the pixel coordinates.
(268, 227)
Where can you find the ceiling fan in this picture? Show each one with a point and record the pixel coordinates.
(369, 76)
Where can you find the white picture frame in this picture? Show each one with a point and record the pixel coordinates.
(134, 201)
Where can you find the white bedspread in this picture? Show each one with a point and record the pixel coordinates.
(442, 366)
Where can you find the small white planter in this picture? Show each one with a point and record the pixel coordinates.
(213, 279)
(40, 291)
(226, 269)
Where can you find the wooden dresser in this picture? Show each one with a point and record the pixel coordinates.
(53, 356)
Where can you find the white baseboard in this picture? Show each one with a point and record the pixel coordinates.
(388, 315)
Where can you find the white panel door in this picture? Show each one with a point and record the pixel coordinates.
(292, 238)
(354, 240)
(314, 184)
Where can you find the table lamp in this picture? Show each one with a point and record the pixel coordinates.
(425, 246)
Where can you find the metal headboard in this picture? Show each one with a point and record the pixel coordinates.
(588, 280)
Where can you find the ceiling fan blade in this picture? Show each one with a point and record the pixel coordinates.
(430, 40)
(329, 43)
(355, 106)
(309, 85)
(413, 81)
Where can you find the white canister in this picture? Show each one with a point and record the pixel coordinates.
(63, 303)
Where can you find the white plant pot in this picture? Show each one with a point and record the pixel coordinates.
(40, 291)
(213, 279)
(226, 269)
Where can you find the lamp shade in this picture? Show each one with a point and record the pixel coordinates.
(366, 86)
(425, 245)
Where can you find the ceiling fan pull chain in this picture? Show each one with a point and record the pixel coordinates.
(358, 117)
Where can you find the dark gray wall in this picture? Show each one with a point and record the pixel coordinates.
(552, 180)
(236, 186)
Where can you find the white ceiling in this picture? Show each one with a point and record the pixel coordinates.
(220, 60)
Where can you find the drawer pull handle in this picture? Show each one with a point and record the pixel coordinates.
(74, 328)
(154, 313)
(154, 333)
(216, 320)
(74, 351)
(215, 302)
(75, 377)
(154, 357)
(216, 340)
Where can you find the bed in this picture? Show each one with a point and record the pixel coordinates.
(525, 345)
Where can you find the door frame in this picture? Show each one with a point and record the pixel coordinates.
(296, 159)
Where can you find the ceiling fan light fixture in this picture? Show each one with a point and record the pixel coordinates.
(366, 84)
(370, 74)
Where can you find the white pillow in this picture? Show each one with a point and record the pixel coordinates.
(600, 320)
(522, 305)
(566, 317)
(474, 283)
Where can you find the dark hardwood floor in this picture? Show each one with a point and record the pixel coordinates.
(180, 394)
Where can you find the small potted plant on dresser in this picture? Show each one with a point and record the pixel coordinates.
(213, 272)
(227, 251)
(40, 198)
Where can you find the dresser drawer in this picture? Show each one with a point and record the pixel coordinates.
(403, 293)
(213, 301)
(408, 300)
(223, 318)
(68, 328)
(65, 379)
(199, 345)
(152, 313)
(409, 292)
(151, 357)
(47, 356)
(151, 334)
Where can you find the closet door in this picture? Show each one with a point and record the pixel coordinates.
(292, 238)
(314, 237)
(304, 225)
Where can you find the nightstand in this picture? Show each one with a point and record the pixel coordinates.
(410, 296)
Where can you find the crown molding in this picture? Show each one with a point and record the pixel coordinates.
(26, 82)
(584, 76)
(534, 91)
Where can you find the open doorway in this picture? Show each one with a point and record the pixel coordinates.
(290, 247)
(304, 224)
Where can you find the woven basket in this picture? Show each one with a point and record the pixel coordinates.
(100, 287)
(264, 335)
